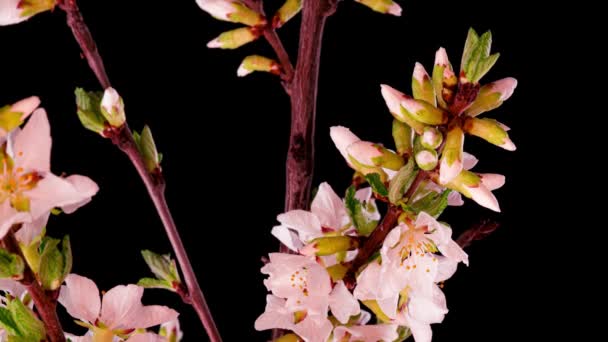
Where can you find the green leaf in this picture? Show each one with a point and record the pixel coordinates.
(153, 283)
(7, 322)
(469, 46)
(9, 120)
(354, 207)
(375, 181)
(89, 111)
(29, 328)
(432, 203)
(11, 265)
(55, 262)
(148, 149)
(476, 58)
(162, 266)
(402, 181)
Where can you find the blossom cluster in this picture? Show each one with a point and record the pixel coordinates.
(311, 294)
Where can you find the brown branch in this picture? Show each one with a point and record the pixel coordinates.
(122, 137)
(375, 240)
(479, 231)
(85, 40)
(46, 306)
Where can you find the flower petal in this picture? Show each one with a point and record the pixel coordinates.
(52, 191)
(305, 223)
(328, 207)
(87, 189)
(314, 328)
(342, 138)
(30, 230)
(342, 303)
(287, 237)
(122, 309)
(10, 13)
(9, 216)
(276, 315)
(13, 287)
(80, 297)
(32, 146)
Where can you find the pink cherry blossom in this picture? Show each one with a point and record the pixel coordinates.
(120, 310)
(28, 189)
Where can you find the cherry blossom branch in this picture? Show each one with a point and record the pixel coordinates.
(46, 306)
(275, 42)
(154, 182)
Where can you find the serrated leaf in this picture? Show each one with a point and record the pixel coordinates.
(153, 283)
(7, 322)
(484, 66)
(55, 262)
(432, 203)
(469, 46)
(375, 181)
(402, 181)
(29, 328)
(11, 265)
(162, 266)
(354, 208)
(88, 110)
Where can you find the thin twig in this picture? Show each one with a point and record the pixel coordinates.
(270, 34)
(154, 182)
(45, 305)
(479, 231)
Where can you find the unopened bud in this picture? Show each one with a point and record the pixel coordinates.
(422, 87)
(113, 108)
(234, 38)
(382, 6)
(330, 245)
(492, 95)
(258, 63)
(233, 11)
(431, 138)
(490, 131)
(452, 156)
(426, 159)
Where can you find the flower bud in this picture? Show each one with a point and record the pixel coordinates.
(431, 138)
(422, 87)
(369, 155)
(393, 99)
(289, 9)
(452, 156)
(382, 6)
(424, 112)
(113, 108)
(490, 131)
(471, 186)
(16, 11)
(233, 11)
(492, 95)
(258, 63)
(426, 159)
(234, 38)
(342, 138)
(444, 79)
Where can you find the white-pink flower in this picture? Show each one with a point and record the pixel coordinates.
(308, 326)
(327, 215)
(307, 286)
(119, 312)
(28, 189)
(404, 283)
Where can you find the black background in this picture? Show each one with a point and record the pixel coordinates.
(224, 141)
